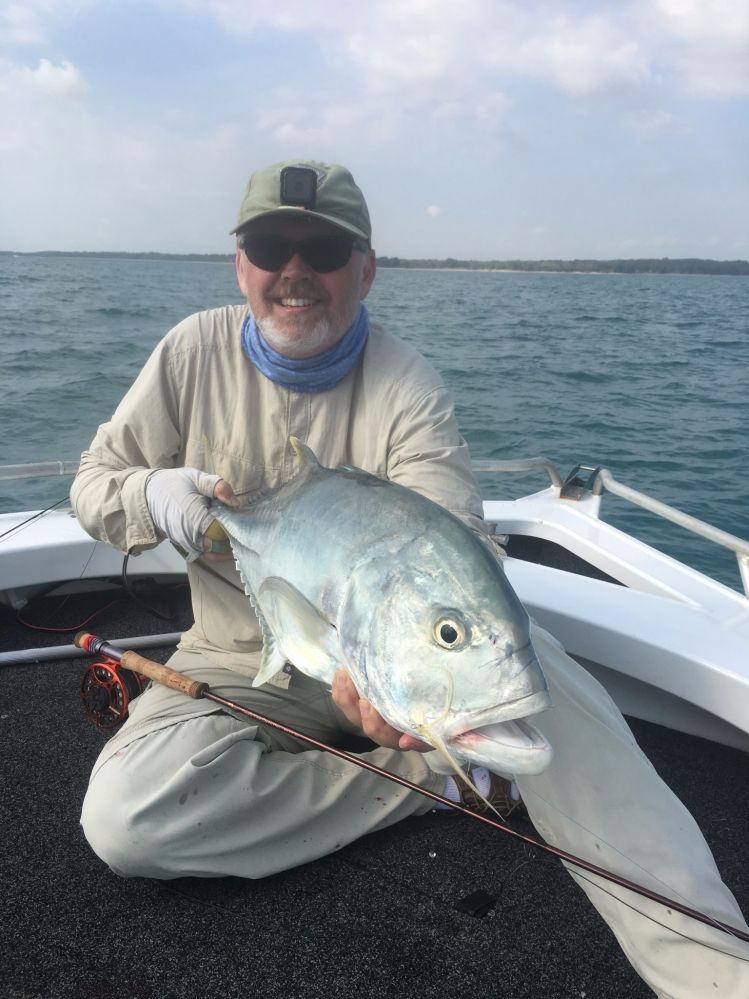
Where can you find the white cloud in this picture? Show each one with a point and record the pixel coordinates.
(239, 17)
(292, 120)
(20, 25)
(411, 44)
(35, 102)
(32, 22)
(709, 42)
(436, 72)
(433, 211)
(582, 57)
(106, 181)
(419, 49)
(64, 80)
(697, 20)
(407, 48)
(487, 109)
(647, 122)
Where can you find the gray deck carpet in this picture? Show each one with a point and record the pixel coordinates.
(377, 919)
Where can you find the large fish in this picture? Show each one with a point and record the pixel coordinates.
(347, 570)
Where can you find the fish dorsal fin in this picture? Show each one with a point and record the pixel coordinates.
(304, 453)
(299, 633)
(367, 478)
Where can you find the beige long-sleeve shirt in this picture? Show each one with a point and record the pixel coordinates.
(199, 401)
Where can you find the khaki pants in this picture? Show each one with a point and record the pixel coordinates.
(186, 790)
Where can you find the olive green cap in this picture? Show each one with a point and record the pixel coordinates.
(337, 199)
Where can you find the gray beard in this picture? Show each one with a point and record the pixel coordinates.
(313, 340)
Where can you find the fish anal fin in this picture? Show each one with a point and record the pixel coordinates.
(272, 660)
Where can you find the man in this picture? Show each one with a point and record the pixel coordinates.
(185, 789)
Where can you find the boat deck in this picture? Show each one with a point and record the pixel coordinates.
(377, 919)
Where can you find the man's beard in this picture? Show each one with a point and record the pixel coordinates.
(314, 338)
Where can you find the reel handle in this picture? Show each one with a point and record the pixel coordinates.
(138, 664)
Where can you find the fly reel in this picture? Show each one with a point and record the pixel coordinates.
(106, 692)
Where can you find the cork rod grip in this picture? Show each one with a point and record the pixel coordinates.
(163, 674)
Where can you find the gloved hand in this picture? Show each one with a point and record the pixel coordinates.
(178, 500)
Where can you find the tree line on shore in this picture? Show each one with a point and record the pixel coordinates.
(662, 265)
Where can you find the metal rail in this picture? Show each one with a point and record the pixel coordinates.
(520, 465)
(604, 480)
(740, 548)
(38, 470)
(46, 653)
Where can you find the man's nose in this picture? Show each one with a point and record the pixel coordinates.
(295, 267)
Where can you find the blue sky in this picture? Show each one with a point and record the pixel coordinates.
(483, 129)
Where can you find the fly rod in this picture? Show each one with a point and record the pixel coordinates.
(159, 673)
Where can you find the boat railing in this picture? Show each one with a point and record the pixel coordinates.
(521, 465)
(602, 480)
(38, 470)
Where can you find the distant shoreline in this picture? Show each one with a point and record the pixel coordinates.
(663, 265)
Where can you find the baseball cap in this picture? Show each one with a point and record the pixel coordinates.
(308, 188)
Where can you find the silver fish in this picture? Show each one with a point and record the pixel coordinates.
(347, 570)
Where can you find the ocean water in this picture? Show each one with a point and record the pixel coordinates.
(647, 375)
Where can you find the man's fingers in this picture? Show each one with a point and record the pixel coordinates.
(376, 728)
(362, 714)
(224, 492)
(346, 697)
(215, 539)
(410, 742)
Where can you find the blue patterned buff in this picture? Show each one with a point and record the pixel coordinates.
(307, 374)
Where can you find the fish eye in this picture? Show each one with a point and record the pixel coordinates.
(449, 633)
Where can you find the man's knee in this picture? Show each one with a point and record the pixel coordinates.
(108, 822)
(135, 814)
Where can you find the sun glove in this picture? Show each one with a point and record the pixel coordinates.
(178, 500)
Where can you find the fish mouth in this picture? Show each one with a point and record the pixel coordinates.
(512, 747)
(501, 738)
(521, 707)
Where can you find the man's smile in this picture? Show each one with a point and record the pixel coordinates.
(297, 303)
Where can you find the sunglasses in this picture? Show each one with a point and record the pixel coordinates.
(322, 253)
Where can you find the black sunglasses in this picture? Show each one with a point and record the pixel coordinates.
(322, 253)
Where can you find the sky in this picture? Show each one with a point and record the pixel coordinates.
(477, 129)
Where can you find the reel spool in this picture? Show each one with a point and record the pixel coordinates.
(106, 692)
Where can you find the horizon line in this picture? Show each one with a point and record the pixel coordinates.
(384, 256)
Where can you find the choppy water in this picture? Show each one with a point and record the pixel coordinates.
(647, 375)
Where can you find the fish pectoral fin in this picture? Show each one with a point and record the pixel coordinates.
(302, 635)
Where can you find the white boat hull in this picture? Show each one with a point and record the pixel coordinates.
(669, 644)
